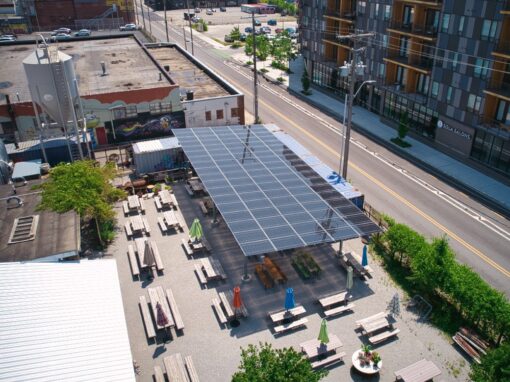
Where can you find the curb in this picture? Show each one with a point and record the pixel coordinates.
(455, 183)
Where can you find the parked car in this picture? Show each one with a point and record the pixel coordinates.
(197, 10)
(61, 37)
(228, 38)
(128, 27)
(83, 33)
(293, 35)
(196, 19)
(61, 30)
(242, 37)
(272, 22)
(270, 36)
(7, 38)
(209, 12)
(223, 9)
(278, 30)
(265, 30)
(257, 23)
(290, 30)
(248, 30)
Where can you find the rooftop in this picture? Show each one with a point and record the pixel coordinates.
(127, 64)
(187, 73)
(55, 234)
(65, 321)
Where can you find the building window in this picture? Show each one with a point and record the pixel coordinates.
(207, 115)
(160, 108)
(408, 16)
(124, 112)
(387, 12)
(234, 112)
(445, 24)
(400, 77)
(489, 30)
(449, 94)
(423, 84)
(404, 47)
(435, 89)
(455, 61)
(481, 68)
(362, 7)
(503, 112)
(385, 41)
(377, 10)
(474, 103)
(219, 114)
(461, 25)
(382, 70)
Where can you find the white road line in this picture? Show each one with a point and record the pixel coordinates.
(491, 225)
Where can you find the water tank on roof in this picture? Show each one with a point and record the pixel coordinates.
(51, 76)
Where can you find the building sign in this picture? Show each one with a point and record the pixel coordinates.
(461, 133)
(454, 135)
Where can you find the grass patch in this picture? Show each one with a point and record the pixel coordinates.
(401, 142)
(280, 79)
(220, 41)
(263, 70)
(249, 63)
(236, 45)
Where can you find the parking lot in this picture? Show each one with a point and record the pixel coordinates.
(221, 23)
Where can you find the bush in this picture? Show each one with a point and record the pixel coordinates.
(495, 366)
(280, 79)
(236, 45)
(264, 70)
(278, 65)
(249, 62)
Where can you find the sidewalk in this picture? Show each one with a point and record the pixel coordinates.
(470, 180)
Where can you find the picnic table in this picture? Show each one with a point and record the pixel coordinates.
(274, 270)
(355, 261)
(167, 198)
(140, 250)
(374, 326)
(420, 371)
(212, 269)
(136, 223)
(334, 299)
(158, 295)
(314, 348)
(196, 185)
(175, 369)
(292, 313)
(171, 219)
(133, 202)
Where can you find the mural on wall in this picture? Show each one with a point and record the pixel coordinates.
(151, 127)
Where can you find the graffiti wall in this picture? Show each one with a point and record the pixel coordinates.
(147, 127)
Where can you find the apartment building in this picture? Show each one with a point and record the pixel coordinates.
(444, 64)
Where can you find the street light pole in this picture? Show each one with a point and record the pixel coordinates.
(255, 79)
(166, 21)
(352, 74)
(190, 30)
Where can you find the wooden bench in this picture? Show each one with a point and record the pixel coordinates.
(383, 336)
(157, 201)
(189, 190)
(420, 371)
(146, 225)
(157, 257)
(179, 324)
(375, 317)
(187, 248)
(192, 373)
(200, 274)
(218, 268)
(142, 206)
(336, 357)
(158, 374)
(333, 299)
(129, 231)
(132, 260)
(125, 207)
(174, 201)
(175, 369)
(226, 305)
(219, 310)
(291, 325)
(147, 320)
(203, 207)
(162, 225)
(338, 310)
(263, 277)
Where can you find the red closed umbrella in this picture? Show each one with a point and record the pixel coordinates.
(161, 319)
(237, 304)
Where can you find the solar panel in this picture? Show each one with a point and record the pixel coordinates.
(270, 199)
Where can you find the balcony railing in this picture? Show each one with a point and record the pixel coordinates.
(422, 30)
(423, 63)
(489, 122)
(503, 47)
(342, 15)
(333, 37)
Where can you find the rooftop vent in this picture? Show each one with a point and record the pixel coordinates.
(24, 229)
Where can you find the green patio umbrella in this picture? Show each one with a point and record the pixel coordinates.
(195, 231)
(323, 333)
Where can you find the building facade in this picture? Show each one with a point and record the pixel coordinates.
(441, 66)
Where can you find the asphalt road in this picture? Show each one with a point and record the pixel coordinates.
(479, 237)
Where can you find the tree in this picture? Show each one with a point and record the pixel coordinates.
(263, 47)
(305, 81)
(264, 364)
(85, 188)
(403, 125)
(283, 49)
(495, 366)
(235, 34)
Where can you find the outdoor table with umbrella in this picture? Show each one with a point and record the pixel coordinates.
(149, 259)
(161, 318)
(237, 305)
(195, 234)
(157, 296)
(323, 345)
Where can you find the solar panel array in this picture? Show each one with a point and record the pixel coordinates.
(270, 199)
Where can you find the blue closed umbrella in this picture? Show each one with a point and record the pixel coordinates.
(364, 259)
(289, 299)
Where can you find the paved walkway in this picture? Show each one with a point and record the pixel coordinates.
(472, 180)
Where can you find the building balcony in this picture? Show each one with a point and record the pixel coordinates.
(502, 50)
(421, 64)
(428, 3)
(488, 122)
(502, 91)
(341, 16)
(400, 90)
(423, 32)
(332, 38)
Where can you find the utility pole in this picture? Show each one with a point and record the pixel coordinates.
(255, 79)
(184, 35)
(190, 30)
(149, 16)
(143, 15)
(350, 99)
(166, 21)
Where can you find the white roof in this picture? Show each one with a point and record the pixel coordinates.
(63, 322)
(155, 145)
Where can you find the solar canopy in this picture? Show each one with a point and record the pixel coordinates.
(270, 199)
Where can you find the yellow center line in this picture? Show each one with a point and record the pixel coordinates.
(454, 236)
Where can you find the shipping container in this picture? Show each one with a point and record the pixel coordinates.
(157, 155)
